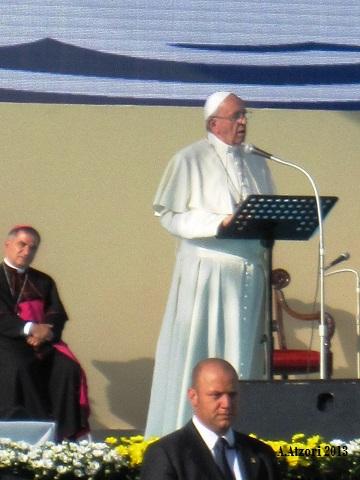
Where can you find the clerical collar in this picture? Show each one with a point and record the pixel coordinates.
(221, 147)
(18, 269)
(210, 437)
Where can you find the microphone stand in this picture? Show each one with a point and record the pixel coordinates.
(322, 326)
(357, 279)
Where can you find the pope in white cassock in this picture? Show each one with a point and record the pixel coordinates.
(216, 305)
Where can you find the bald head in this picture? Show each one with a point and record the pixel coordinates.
(211, 365)
(213, 394)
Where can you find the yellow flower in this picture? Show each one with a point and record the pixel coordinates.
(293, 461)
(294, 452)
(314, 441)
(298, 436)
(132, 448)
(136, 439)
(151, 440)
(136, 453)
(125, 440)
(111, 440)
(277, 445)
(122, 450)
(324, 447)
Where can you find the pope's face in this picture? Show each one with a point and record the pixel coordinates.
(229, 121)
(21, 250)
(214, 398)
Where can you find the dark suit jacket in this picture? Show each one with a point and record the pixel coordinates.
(183, 455)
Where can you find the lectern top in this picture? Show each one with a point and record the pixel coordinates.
(277, 217)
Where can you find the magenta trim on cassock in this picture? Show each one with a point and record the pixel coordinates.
(33, 311)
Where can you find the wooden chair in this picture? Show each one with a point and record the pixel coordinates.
(287, 361)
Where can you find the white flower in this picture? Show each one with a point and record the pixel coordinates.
(81, 460)
(353, 447)
(337, 442)
(61, 469)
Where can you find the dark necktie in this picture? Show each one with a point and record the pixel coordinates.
(221, 460)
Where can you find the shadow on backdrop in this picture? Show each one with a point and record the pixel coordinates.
(129, 383)
(128, 390)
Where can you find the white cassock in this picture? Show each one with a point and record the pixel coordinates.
(217, 300)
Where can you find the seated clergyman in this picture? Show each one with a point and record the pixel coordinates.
(40, 377)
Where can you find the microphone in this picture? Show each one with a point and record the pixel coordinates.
(341, 258)
(249, 148)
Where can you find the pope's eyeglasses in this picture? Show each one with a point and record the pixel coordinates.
(236, 116)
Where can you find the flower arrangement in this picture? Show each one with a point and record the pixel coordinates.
(65, 460)
(131, 449)
(303, 458)
(312, 458)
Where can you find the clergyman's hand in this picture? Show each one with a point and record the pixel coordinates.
(39, 334)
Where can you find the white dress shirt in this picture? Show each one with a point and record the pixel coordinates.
(210, 438)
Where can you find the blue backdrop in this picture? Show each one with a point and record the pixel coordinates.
(276, 53)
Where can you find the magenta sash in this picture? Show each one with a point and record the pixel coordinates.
(33, 311)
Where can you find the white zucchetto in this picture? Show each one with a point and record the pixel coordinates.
(213, 102)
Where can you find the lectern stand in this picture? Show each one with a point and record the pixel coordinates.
(276, 217)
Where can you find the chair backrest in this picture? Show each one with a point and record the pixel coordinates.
(296, 359)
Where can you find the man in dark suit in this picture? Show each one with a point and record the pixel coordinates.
(207, 448)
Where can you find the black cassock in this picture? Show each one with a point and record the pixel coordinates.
(42, 384)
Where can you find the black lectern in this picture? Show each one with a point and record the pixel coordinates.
(276, 217)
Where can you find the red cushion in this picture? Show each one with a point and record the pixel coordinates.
(296, 361)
